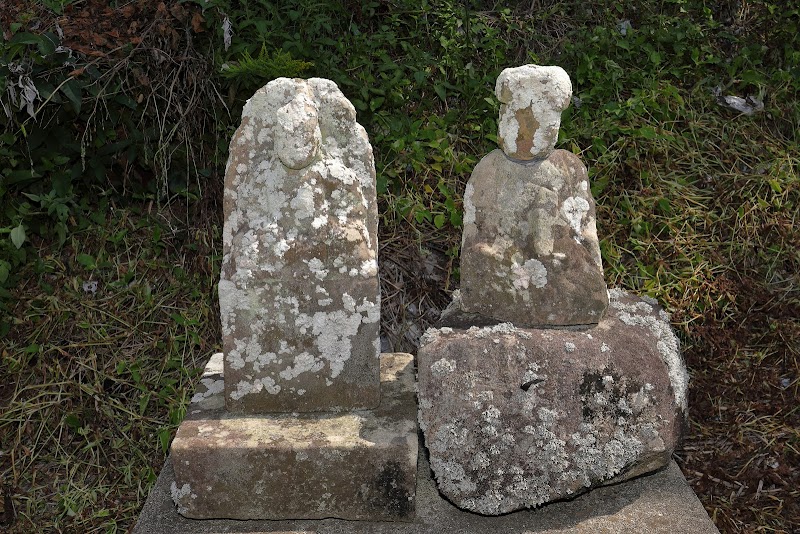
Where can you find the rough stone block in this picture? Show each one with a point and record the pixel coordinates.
(530, 253)
(355, 465)
(516, 418)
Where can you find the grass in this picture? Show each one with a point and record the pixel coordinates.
(697, 207)
(97, 377)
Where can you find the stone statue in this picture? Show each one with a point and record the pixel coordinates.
(530, 253)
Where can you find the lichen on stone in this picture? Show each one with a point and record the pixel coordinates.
(641, 314)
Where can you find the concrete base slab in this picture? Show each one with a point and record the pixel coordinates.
(660, 503)
(358, 465)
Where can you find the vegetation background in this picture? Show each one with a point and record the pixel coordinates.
(114, 128)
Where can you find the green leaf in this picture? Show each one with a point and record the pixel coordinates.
(439, 88)
(5, 269)
(86, 260)
(26, 38)
(126, 101)
(648, 132)
(439, 220)
(164, 436)
(18, 236)
(377, 102)
(144, 401)
(72, 421)
(72, 90)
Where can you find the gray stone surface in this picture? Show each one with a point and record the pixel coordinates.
(530, 253)
(298, 292)
(353, 465)
(532, 98)
(661, 503)
(515, 418)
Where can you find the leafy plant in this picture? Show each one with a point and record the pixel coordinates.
(250, 73)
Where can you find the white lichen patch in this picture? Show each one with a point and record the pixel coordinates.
(256, 386)
(501, 328)
(317, 268)
(303, 363)
(429, 336)
(531, 273)
(574, 210)
(179, 496)
(333, 331)
(469, 206)
(303, 202)
(443, 367)
(208, 387)
(667, 343)
(369, 268)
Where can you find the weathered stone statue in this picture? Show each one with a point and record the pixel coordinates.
(530, 253)
(562, 395)
(299, 290)
(275, 433)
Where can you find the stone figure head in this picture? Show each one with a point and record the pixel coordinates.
(532, 98)
(297, 136)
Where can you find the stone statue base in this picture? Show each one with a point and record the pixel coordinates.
(352, 465)
(518, 417)
(661, 503)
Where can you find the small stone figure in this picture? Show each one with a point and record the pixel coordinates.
(530, 253)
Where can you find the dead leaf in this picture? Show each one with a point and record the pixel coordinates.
(197, 23)
(178, 12)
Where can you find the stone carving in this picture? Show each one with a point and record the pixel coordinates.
(515, 418)
(530, 253)
(532, 389)
(303, 419)
(299, 292)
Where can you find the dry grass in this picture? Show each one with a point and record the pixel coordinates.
(95, 382)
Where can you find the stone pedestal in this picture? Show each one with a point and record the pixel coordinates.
(661, 503)
(351, 465)
(518, 417)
